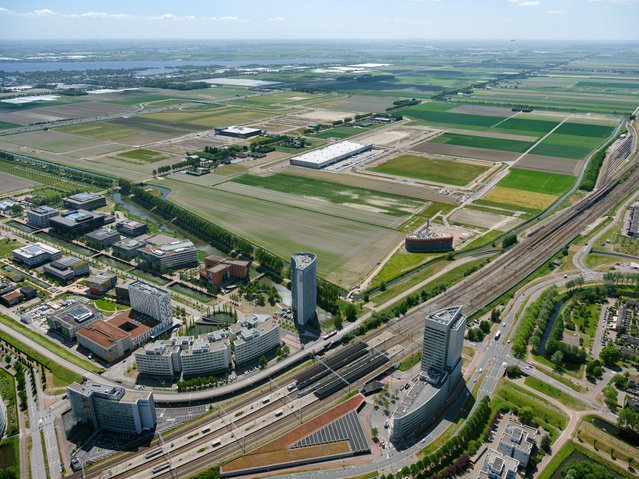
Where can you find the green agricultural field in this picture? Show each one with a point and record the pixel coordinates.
(99, 130)
(4, 125)
(209, 118)
(142, 155)
(427, 115)
(483, 142)
(390, 204)
(131, 98)
(526, 126)
(582, 129)
(422, 168)
(340, 132)
(608, 84)
(537, 181)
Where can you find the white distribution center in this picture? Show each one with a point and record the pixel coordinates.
(331, 154)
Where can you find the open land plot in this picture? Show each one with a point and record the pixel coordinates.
(347, 250)
(513, 198)
(367, 200)
(324, 115)
(141, 155)
(10, 183)
(274, 100)
(452, 172)
(483, 142)
(413, 191)
(213, 118)
(387, 137)
(360, 103)
(537, 181)
(52, 141)
(484, 219)
(465, 151)
(550, 164)
(342, 132)
(492, 133)
(366, 213)
(482, 110)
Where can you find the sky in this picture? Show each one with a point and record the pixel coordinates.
(320, 19)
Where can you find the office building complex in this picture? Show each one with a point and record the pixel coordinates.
(73, 317)
(66, 269)
(100, 283)
(329, 155)
(498, 466)
(254, 338)
(105, 340)
(84, 201)
(127, 248)
(38, 216)
(518, 441)
(131, 228)
(114, 409)
(178, 254)
(76, 222)
(36, 254)
(102, 238)
(303, 287)
(218, 271)
(440, 374)
(201, 356)
(151, 301)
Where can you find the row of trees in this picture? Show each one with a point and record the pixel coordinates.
(591, 173)
(534, 322)
(177, 166)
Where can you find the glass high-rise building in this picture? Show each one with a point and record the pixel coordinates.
(303, 286)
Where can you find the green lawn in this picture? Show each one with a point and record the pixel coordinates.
(50, 345)
(394, 205)
(401, 262)
(340, 132)
(146, 156)
(6, 247)
(537, 181)
(422, 168)
(483, 142)
(8, 394)
(555, 393)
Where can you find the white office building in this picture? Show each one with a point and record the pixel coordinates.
(114, 409)
(205, 357)
(151, 300)
(498, 466)
(518, 441)
(439, 377)
(304, 287)
(251, 343)
(36, 254)
(160, 358)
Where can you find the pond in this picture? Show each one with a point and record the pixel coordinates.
(20, 226)
(575, 456)
(217, 320)
(113, 262)
(541, 349)
(148, 276)
(179, 288)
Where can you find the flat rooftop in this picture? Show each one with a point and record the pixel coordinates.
(133, 322)
(75, 314)
(419, 394)
(302, 260)
(328, 153)
(240, 130)
(43, 210)
(103, 333)
(446, 316)
(82, 197)
(149, 288)
(35, 249)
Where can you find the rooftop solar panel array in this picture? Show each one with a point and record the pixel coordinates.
(346, 428)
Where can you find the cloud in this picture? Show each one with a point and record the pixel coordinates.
(45, 12)
(410, 21)
(556, 12)
(525, 3)
(277, 19)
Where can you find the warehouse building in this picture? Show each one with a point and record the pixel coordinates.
(71, 318)
(439, 377)
(36, 254)
(329, 155)
(76, 223)
(175, 255)
(110, 408)
(84, 201)
(252, 342)
(105, 341)
(102, 238)
(238, 132)
(38, 216)
(218, 271)
(67, 269)
(131, 228)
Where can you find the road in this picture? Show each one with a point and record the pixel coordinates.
(47, 423)
(36, 457)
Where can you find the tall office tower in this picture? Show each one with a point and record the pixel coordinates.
(151, 300)
(443, 341)
(304, 286)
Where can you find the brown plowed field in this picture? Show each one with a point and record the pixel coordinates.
(550, 164)
(466, 151)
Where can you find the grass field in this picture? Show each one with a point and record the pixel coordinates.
(537, 181)
(340, 132)
(483, 142)
(142, 155)
(131, 98)
(555, 393)
(8, 393)
(394, 205)
(430, 114)
(526, 126)
(422, 168)
(45, 179)
(514, 198)
(347, 249)
(6, 247)
(210, 118)
(4, 125)
(100, 130)
(401, 262)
